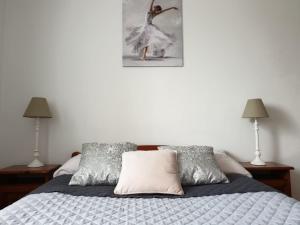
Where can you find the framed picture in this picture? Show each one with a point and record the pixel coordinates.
(152, 33)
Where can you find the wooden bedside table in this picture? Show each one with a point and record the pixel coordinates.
(273, 174)
(17, 181)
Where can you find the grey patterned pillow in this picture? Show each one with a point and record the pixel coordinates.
(100, 163)
(197, 165)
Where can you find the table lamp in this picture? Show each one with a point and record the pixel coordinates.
(255, 109)
(37, 108)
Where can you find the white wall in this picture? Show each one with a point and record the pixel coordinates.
(70, 52)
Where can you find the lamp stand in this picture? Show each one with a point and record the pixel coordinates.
(36, 162)
(257, 161)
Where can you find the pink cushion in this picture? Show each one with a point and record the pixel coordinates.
(149, 172)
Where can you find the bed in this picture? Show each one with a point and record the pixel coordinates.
(242, 201)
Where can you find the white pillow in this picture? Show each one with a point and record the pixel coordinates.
(149, 172)
(69, 167)
(228, 165)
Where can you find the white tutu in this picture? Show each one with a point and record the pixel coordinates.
(149, 36)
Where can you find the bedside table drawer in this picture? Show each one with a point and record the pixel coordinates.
(21, 179)
(9, 198)
(272, 174)
(13, 190)
(18, 181)
(275, 183)
(21, 188)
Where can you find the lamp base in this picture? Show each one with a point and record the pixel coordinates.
(36, 163)
(258, 162)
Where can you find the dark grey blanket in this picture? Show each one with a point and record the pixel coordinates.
(238, 184)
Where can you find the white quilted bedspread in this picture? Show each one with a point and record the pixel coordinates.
(249, 208)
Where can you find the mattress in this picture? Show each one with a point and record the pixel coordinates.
(243, 201)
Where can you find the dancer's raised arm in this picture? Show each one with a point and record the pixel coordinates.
(151, 6)
(165, 10)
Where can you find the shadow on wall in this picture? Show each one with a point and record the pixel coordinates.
(279, 122)
(295, 181)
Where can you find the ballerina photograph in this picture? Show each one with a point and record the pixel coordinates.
(152, 33)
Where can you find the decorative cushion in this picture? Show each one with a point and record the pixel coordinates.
(197, 165)
(69, 167)
(149, 172)
(229, 165)
(100, 163)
